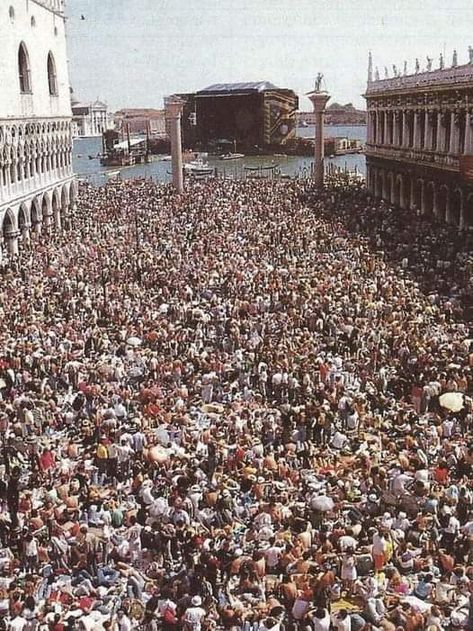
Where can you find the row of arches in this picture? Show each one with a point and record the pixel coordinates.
(25, 153)
(444, 202)
(43, 213)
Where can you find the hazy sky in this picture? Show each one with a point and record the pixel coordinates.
(133, 52)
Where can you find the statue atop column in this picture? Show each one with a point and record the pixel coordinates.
(441, 62)
(429, 63)
(455, 59)
(470, 54)
(318, 82)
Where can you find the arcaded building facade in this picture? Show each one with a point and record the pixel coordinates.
(37, 189)
(420, 141)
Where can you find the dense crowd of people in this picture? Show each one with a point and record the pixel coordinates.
(246, 407)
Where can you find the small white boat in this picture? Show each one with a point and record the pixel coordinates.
(197, 166)
(232, 156)
(113, 173)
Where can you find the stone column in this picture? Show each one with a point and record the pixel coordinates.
(174, 107)
(405, 129)
(440, 134)
(453, 148)
(468, 135)
(386, 127)
(26, 234)
(319, 101)
(11, 240)
(412, 200)
(427, 132)
(461, 221)
(448, 208)
(57, 219)
(417, 131)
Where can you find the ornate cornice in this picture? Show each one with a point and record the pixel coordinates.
(447, 78)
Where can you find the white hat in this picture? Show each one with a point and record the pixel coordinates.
(196, 601)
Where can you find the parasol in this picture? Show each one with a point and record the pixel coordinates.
(452, 401)
(133, 341)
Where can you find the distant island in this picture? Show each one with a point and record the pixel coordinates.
(335, 114)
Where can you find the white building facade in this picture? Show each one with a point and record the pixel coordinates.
(37, 188)
(91, 119)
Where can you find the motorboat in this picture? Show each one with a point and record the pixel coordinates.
(232, 156)
(197, 166)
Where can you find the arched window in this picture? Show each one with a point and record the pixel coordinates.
(52, 77)
(24, 70)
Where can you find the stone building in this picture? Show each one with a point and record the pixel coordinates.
(90, 119)
(419, 140)
(37, 189)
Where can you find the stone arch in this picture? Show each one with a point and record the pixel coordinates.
(468, 211)
(456, 208)
(36, 214)
(46, 211)
(398, 191)
(56, 208)
(10, 232)
(390, 187)
(442, 204)
(429, 198)
(419, 194)
(379, 183)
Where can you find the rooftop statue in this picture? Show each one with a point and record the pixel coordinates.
(429, 63)
(405, 67)
(417, 66)
(318, 82)
(455, 59)
(470, 54)
(441, 62)
(376, 74)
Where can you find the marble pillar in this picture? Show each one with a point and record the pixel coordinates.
(453, 147)
(468, 134)
(174, 107)
(319, 101)
(417, 130)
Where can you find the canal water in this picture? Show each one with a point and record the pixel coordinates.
(161, 170)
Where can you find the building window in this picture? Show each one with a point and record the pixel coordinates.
(52, 77)
(24, 70)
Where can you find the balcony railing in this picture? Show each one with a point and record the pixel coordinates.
(411, 154)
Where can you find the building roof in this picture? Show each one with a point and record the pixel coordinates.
(453, 77)
(250, 86)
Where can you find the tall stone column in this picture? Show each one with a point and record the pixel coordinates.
(174, 107)
(11, 240)
(468, 135)
(453, 148)
(386, 127)
(417, 132)
(427, 132)
(440, 134)
(319, 101)
(405, 129)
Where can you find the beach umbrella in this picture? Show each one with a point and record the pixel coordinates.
(322, 503)
(133, 341)
(452, 401)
